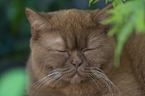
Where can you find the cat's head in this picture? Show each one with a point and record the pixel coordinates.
(70, 45)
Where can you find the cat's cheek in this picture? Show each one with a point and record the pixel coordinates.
(86, 53)
(89, 55)
(61, 58)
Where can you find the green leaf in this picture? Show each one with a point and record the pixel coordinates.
(140, 26)
(13, 83)
(95, 1)
(90, 2)
(114, 30)
(125, 18)
(106, 2)
(121, 38)
(117, 2)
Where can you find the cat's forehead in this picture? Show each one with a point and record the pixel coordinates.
(66, 18)
(53, 41)
(72, 29)
(71, 41)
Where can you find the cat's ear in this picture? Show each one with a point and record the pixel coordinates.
(37, 22)
(100, 15)
(35, 19)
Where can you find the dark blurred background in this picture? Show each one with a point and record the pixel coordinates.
(15, 29)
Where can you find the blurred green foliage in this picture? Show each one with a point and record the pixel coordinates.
(114, 2)
(13, 83)
(126, 18)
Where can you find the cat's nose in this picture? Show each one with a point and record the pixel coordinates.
(76, 58)
(76, 63)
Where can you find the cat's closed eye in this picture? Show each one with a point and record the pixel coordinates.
(60, 50)
(88, 49)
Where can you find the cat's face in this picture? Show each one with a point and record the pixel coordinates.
(68, 45)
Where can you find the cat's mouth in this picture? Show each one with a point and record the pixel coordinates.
(75, 77)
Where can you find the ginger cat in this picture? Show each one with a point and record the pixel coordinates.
(72, 55)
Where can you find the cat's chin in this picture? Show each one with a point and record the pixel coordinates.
(76, 79)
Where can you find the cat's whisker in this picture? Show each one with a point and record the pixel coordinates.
(67, 71)
(49, 81)
(61, 80)
(64, 70)
(86, 71)
(99, 83)
(91, 68)
(104, 76)
(92, 79)
(43, 79)
(56, 70)
(46, 82)
(39, 81)
(102, 79)
(47, 78)
(36, 90)
(106, 80)
(107, 84)
(57, 81)
(39, 84)
(97, 80)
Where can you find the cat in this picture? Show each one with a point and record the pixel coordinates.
(72, 55)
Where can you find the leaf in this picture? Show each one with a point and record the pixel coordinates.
(125, 18)
(140, 26)
(117, 2)
(114, 30)
(90, 2)
(95, 1)
(106, 2)
(121, 38)
(13, 83)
